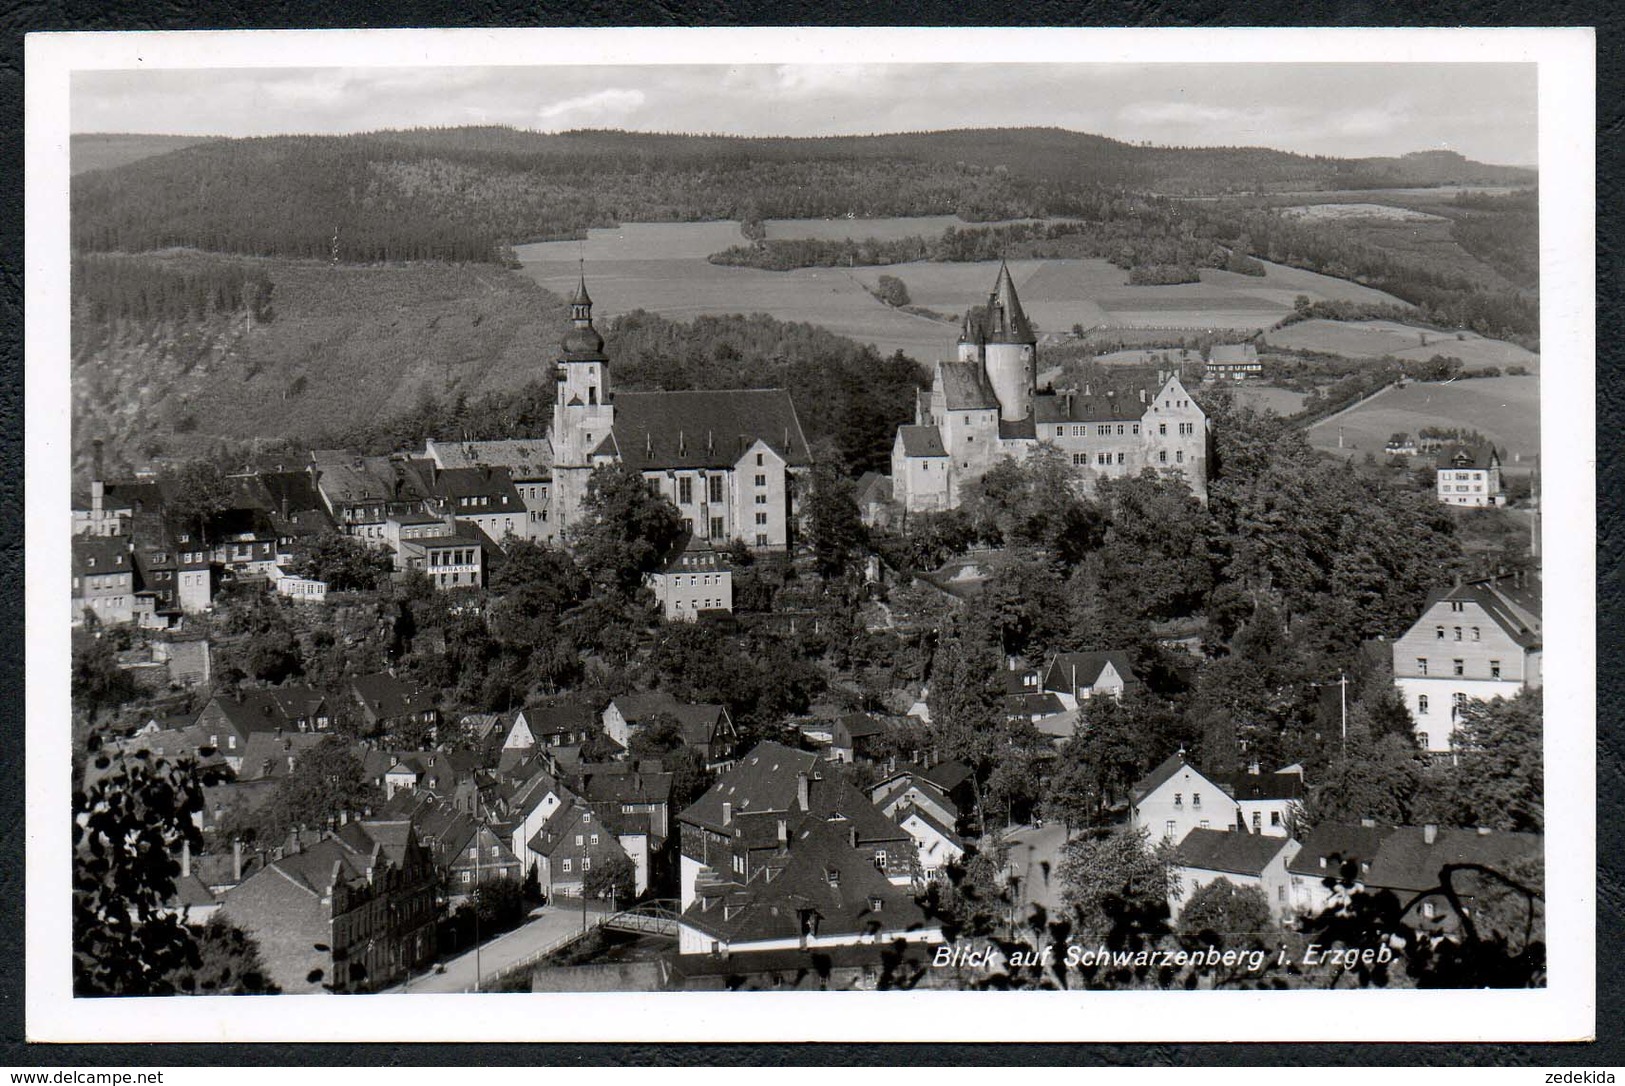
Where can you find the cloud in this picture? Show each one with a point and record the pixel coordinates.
(1195, 115)
(599, 107)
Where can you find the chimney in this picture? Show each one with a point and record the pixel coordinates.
(727, 813)
(1430, 832)
(236, 860)
(96, 461)
(852, 836)
(804, 791)
(186, 858)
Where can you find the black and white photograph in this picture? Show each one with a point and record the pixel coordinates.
(1053, 525)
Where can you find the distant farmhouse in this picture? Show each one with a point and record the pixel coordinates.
(1469, 475)
(986, 406)
(1234, 362)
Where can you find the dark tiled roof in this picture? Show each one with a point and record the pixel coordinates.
(1085, 669)
(874, 487)
(771, 905)
(1019, 430)
(266, 754)
(1465, 457)
(911, 811)
(947, 775)
(763, 780)
(921, 441)
(1233, 352)
(1259, 786)
(524, 458)
(1405, 861)
(1161, 775)
(561, 718)
(698, 721)
(95, 556)
(1511, 623)
(706, 429)
(1337, 843)
(862, 725)
(1005, 320)
(387, 696)
(965, 387)
(1228, 850)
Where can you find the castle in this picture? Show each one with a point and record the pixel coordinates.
(728, 459)
(985, 406)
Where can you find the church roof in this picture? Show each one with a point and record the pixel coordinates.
(706, 428)
(921, 441)
(965, 386)
(581, 296)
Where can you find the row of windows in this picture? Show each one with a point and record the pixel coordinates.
(1457, 667)
(1458, 702)
(459, 557)
(706, 604)
(1475, 489)
(586, 864)
(1438, 632)
(685, 489)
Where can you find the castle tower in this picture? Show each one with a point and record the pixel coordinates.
(970, 340)
(1010, 351)
(583, 411)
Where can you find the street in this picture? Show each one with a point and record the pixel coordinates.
(1030, 849)
(553, 925)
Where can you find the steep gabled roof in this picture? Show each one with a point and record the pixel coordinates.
(921, 441)
(1337, 843)
(710, 428)
(1466, 457)
(1260, 786)
(524, 458)
(1228, 850)
(1086, 668)
(1006, 321)
(1163, 773)
(1405, 860)
(965, 387)
(1503, 615)
(387, 696)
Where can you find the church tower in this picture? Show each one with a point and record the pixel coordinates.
(1009, 351)
(583, 411)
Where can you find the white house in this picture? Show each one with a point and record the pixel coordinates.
(1469, 475)
(1245, 859)
(695, 578)
(938, 844)
(1176, 798)
(1075, 677)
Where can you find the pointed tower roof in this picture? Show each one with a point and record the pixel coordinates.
(582, 341)
(581, 297)
(1006, 321)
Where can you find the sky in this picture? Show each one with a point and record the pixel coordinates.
(1486, 111)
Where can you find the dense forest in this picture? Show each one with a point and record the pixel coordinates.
(464, 194)
(145, 290)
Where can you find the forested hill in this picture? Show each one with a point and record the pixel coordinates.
(467, 193)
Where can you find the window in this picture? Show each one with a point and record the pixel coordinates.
(716, 527)
(565, 866)
(1475, 634)
(1275, 818)
(586, 816)
(1119, 429)
(1168, 828)
(880, 859)
(1060, 431)
(579, 840)
(1458, 702)
(231, 742)
(1120, 457)
(1179, 455)
(1495, 669)
(495, 852)
(1438, 632)
(1196, 799)
(1280, 893)
(1204, 824)
(1103, 431)
(1162, 429)
(761, 519)
(1458, 633)
(685, 491)
(1457, 605)
(1135, 429)
(1162, 456)
(1422, 665)
(1458, 667)
(1258, 821)
(1179, 799)
(466, 874)
(759, 460)
(586, 863)
(761, 539)
(715, 483)
(761, 479)
(595, 838)
(1080, 460)
(761, 499)
(1421, 705)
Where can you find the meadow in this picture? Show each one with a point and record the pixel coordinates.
(661, 267)
(1374, 339)
(1504, 409)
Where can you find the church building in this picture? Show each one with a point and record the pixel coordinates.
(728, 459)
(986, 406)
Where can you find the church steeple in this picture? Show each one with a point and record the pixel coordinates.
(1006, 321)
(582, 340)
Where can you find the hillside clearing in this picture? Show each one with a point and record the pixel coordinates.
(1504, 409)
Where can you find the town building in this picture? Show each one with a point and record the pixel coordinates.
(529, 465)
(467, 850)
(1469, 475)
(1267, 803)
(1243, 859)
(856, 737)
(1075, 677)
(748, 814)
(900, 792)
(985, 407)
(1176, 798)
(103, 579)
(391, 704)
(812, 887)
(229, 720)
(569, 844)
(451, 558)
(1233, 362)
(938, 843)
(694, 579)
(707, 729)
(726, 458)
(1473, 642)
(347, 911)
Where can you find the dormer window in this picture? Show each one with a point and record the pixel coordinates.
(833, 876)
(875, 904)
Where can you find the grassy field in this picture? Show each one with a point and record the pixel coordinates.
(890, 229)
(1340, 212)
(1504, 409)
(1373, 339)
(661, 267)
(1282, 401)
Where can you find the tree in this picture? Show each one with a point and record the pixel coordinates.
(98, 683)
(1499, 779)
(272, 655)
(228, 963)
(834, 528)
(343, 563)
(327, 781)
(196, 493)
(1377, 779)
(612, 878)
(964, 704)
(892, 290)
(1116, 884)
(1222, 914)
(626, 529)
(131, 818)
